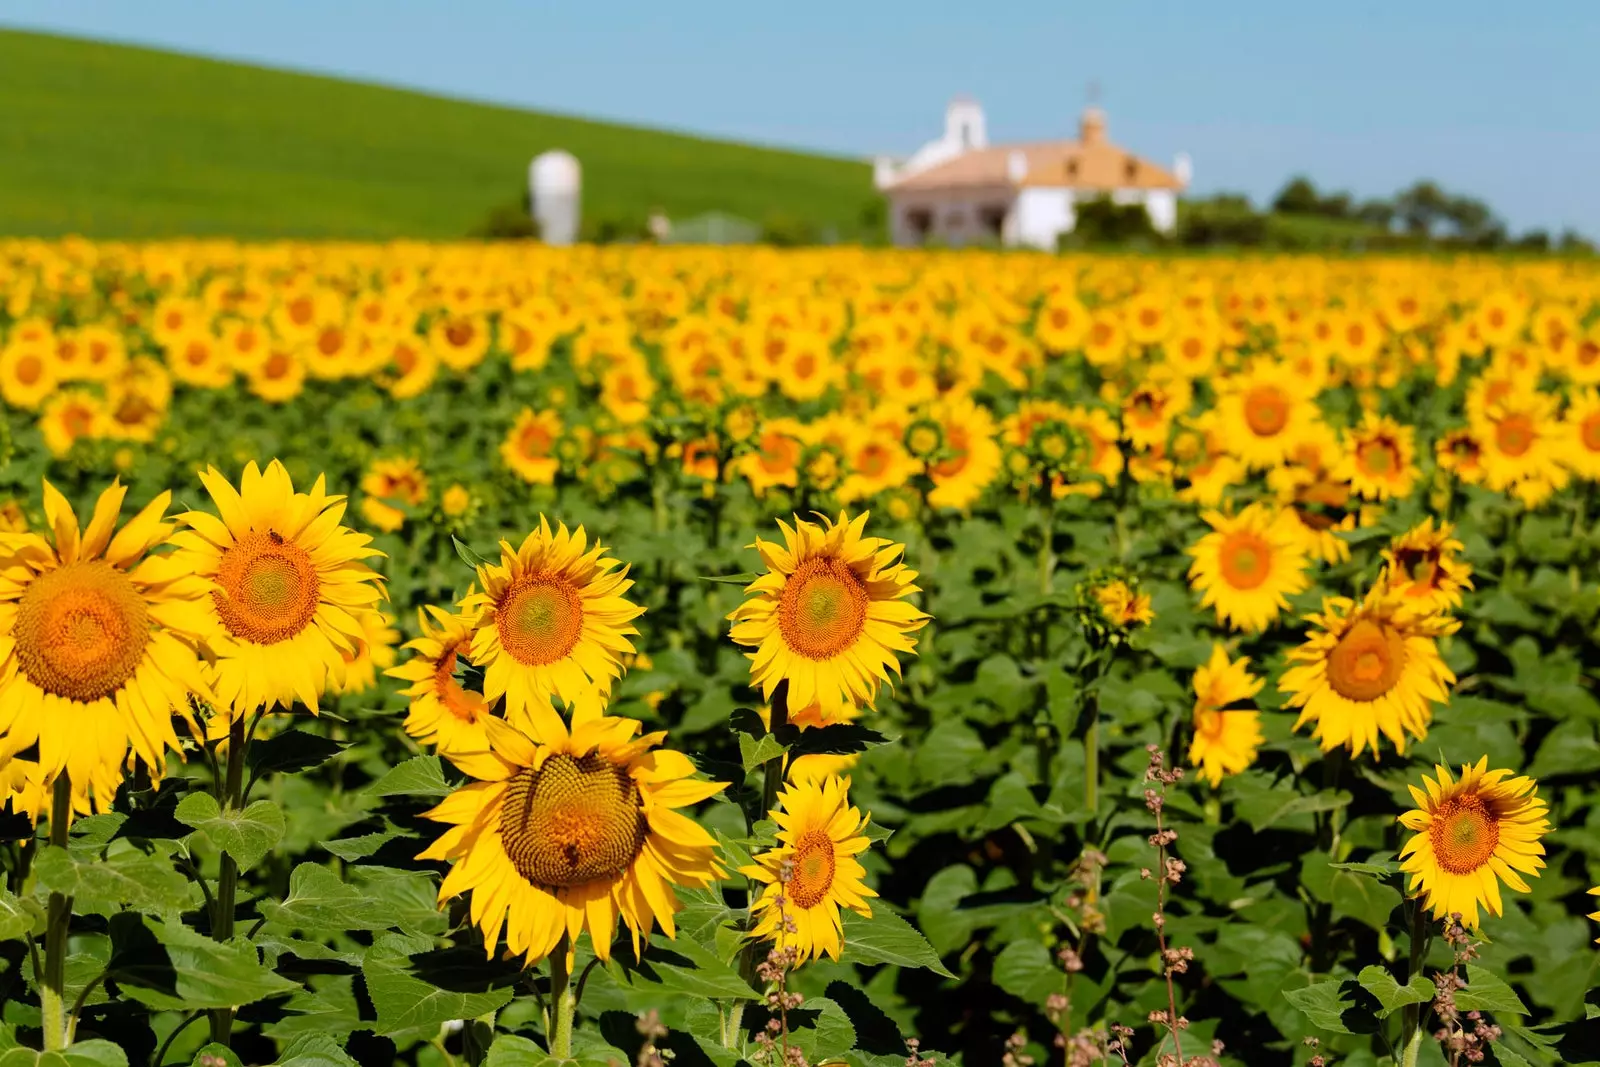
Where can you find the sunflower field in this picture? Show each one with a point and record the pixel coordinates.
(496, 655)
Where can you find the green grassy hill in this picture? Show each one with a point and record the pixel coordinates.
(112, 141)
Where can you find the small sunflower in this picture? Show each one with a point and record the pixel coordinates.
(565, 830)
(813, 872)
(1366, 669)
(1424, 567)
(1227, 726)
(1379, 460)
(1247, 567)
(1265, 412)
(1472, 834)
(551, 621)
(96, 644)
(829, 615)
(443, 713)
(1120, 606)
(291, 587)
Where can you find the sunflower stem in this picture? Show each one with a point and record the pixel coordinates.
(52, 991)
(228, 877)
(1411, 1029)
(562, 1001)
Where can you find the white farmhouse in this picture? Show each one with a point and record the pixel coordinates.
(961, 190)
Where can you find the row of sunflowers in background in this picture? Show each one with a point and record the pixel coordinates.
(1290, 523)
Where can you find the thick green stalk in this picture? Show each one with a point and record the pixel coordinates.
(52, 990)
(228, 878)
(562, 1001)
(1411, 1030)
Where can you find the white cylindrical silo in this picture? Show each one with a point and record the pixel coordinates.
(555, 184)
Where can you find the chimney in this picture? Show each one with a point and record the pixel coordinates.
(1016, 166)
(1092, 127)
(1183, 168)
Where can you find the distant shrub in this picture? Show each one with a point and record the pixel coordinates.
(1104, 222)
(787, 231)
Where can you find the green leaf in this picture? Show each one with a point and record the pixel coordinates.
(215, 1055)
(315, 1050)
(468, 556)
(171, 968)
(731, 579)
(418, 776)
(687, 968)
(19, 917)
(351, 849)
(1486, 992)
(887, 938)
(754, 752)
(94, 832)
(83, 1054)
(246, 835)
(405, 1002)
(821, 1030)
(126, 876)
(1390, 993)
(1380, 870)
(1026, 971)
(1506, 1058)
(291, 751)
(1324, 1003)
(1591, 1011)
(320, 903)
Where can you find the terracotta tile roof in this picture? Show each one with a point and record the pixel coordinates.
(1092, 164)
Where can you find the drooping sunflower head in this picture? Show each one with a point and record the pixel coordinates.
(813, 871)
(443, 712)
(829, 616)
(1121, 605)
(570, 830)
(1424, 566)
(1366, 669)
(551, 620)
(1227, 726)
(291, 588)
(1471, 834)
(1247, 567)
(98, 642)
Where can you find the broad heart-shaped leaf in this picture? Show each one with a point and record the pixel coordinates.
(1324, 1003)
(887, 938)
(684, 967)
(126, 876)
(1390, 993)
(419, 776)
(246, 835)
(315, 1050)
(1486, 992)
(83, 1054)
(319, 903)
(754, 752)
(821, 1030)
(405, 1002)
(1025, 970)
(171, 968)
(291, 751)
(509, 1050)
(19, 917)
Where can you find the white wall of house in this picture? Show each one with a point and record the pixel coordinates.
(965, 129)
(1043, 214)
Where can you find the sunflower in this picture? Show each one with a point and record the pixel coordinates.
(530, 447)
(1520, 438)
(373, 653)
(1379, 459)
(1120, 606)
(813, 871)
(280, 377)
(27, 375)
(564, 830)
(72, 415)
(97, 639)
(970, 458)
(874, 461)
(443, 713)
(1368, 668)
(1460, 452)
(1424, 567)
(1472, 834)
(1226, 733)
(1581, 439)
(551, 620)
(291, 588)
(1247, 567)
(829, 614)
(1595, 915)
(1265, 412)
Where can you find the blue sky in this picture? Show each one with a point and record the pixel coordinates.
(1491, 99)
